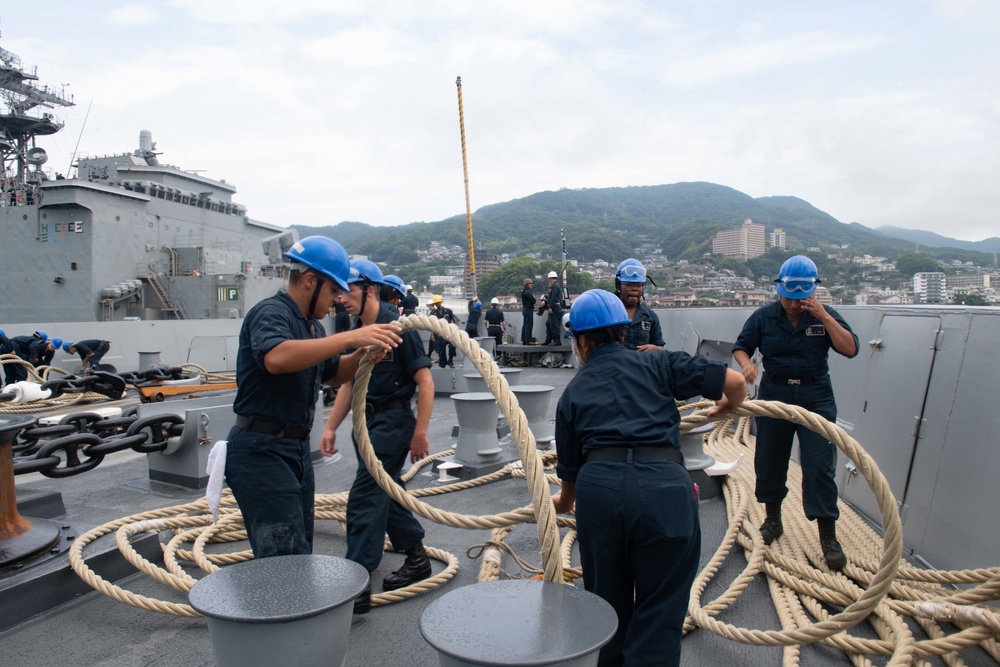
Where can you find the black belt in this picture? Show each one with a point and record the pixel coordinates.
(630, 454)
(277, 429)
(400, 404)
(784, 379)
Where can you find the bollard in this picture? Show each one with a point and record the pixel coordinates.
(693, 448)
(534, 401)
(488, 344)
(148, 360)
(474, 382)
(518, 622)
(285, 610)
(19, 538)
(444, 472)
(512, 375)
(477, 427)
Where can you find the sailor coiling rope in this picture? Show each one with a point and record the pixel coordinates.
(876, 584)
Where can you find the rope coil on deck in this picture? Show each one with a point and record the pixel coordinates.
(800, 584)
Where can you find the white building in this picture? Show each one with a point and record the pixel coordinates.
(928, 287)
(746, 242)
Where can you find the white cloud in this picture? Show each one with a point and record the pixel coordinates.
(884, 114)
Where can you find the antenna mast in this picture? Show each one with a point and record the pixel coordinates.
(465, 173)
(565, 263)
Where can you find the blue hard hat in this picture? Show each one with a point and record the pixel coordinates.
(323, 254)
(478, 305)
(57, 343)
(2, 332)
(363, 270)
(596, 309)
(797, 278)
(68, 344)
(631, 271)
(396, 283)
(42, 336)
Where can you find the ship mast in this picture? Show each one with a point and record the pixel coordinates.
(19, 124)
(465, 173)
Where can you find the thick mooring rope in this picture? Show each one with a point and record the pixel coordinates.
(876, 584)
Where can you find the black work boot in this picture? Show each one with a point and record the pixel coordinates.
(772, 529)
(832, 553)
(363, 603)
(416, 567)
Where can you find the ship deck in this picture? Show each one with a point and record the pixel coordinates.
(99, 631)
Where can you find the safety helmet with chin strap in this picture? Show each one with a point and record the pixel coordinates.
(797, 278)
(324, 255)
(631, 271)
(363, 270)
(396, 283)
(596, 309)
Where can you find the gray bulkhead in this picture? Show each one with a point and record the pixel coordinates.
(920, 397)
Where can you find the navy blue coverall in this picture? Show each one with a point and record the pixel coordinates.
(22, 347)
(268, 465)
(440, 344)
(528, 311)
(552, 324)
(795, 372)
(644, 329)
(98, 348)
(637, 521)
(472, 324)
(371, 513)
(409, 304)
(494, 322)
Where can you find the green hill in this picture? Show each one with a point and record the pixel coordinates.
(610, 223)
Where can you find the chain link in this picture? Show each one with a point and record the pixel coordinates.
(82, 440)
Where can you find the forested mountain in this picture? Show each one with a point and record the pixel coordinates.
(610, 223)
(932, 240)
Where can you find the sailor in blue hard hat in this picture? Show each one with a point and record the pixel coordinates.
(46, 351)
(284, 356)
(794, 336)
(644, 333)
(475, 314)
(392, 292)
(397, 436)
(618, 445)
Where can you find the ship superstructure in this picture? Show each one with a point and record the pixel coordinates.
(123, 236)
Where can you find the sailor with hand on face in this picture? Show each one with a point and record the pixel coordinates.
(795, 335)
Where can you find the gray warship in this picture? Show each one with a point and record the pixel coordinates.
(920, 398)
(122, 236)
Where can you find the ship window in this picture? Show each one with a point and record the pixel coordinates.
(161, 194)
(184, 200)
(215, 207)
(45, 216)
(118, 218)
(72, 266)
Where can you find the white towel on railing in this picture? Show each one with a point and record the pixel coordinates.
(216, 470)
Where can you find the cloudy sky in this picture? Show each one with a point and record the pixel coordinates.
(883, 113)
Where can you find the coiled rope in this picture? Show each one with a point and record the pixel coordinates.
(797, 577)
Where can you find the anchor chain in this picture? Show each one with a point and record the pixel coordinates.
(81, 441)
